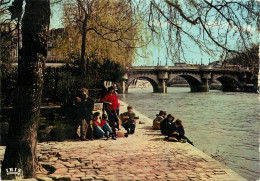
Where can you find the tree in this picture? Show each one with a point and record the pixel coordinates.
(248, 59)
(9, 44)
(22, 135)
(108, 29)
(214, 26)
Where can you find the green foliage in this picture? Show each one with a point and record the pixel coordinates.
(112, 30)
(61, 87)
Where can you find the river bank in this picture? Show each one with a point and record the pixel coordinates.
(142, 156)
(224, 125)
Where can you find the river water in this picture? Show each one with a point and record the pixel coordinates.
(223, 125)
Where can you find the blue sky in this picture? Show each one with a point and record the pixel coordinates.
(157, 52)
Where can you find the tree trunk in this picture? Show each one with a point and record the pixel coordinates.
(83, 47)
(22, 136)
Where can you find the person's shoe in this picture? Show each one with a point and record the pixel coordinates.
(84, 139)
(113, 137)
(105, 136)
(173, 139)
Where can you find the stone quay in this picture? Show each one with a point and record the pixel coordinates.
(142, 156)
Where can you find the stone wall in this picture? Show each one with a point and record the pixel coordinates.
(54, 124)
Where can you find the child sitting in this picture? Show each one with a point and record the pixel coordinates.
(102, 129)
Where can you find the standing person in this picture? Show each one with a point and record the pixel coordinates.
(112, 105)
(177, 131)
(166, 123)
(112, 125)
(159, 118)
(84, 113)
(129, 120)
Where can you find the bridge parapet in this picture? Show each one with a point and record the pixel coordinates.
(198, 76)
(166, 67)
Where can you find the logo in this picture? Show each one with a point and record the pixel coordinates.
(13, 171)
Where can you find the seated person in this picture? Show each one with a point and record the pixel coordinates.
(101, 127)
(177, 131)
(166, 124)
(159, 118)
(129, 120)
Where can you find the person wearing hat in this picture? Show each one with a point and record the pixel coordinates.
(112, 105)
(129, 120)
(159, 118)
(166, 123)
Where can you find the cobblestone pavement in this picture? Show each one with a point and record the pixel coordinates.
(142, 156)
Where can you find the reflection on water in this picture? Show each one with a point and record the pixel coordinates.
(224, 125)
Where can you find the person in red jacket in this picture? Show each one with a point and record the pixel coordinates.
(102, 128)
(112, 105)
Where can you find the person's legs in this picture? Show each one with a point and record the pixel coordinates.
(175, 136)
(127, 128)
(190, 142)
(107, 128)
(114, 132)
(109, 114)
(83, 129)
(113, 128)
(132, 128)
(90, 130)
(117, 110)
(99, 132)
(115, 118)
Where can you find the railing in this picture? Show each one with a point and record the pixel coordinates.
(191, 67)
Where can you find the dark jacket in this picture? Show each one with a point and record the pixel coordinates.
(84, 109)
(165, 126)
(178, 129)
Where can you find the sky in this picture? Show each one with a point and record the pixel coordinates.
(157, 53)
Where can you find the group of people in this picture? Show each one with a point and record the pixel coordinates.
(174, 130)
(105, 126)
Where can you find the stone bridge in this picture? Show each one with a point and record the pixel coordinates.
(199, 77)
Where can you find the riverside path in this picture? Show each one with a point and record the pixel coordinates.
(142, 156)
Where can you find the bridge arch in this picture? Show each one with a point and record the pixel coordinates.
(229, 82)
(154, 82)
(190, 78)
(193, 80)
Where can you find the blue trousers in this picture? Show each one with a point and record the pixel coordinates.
(99, 132)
